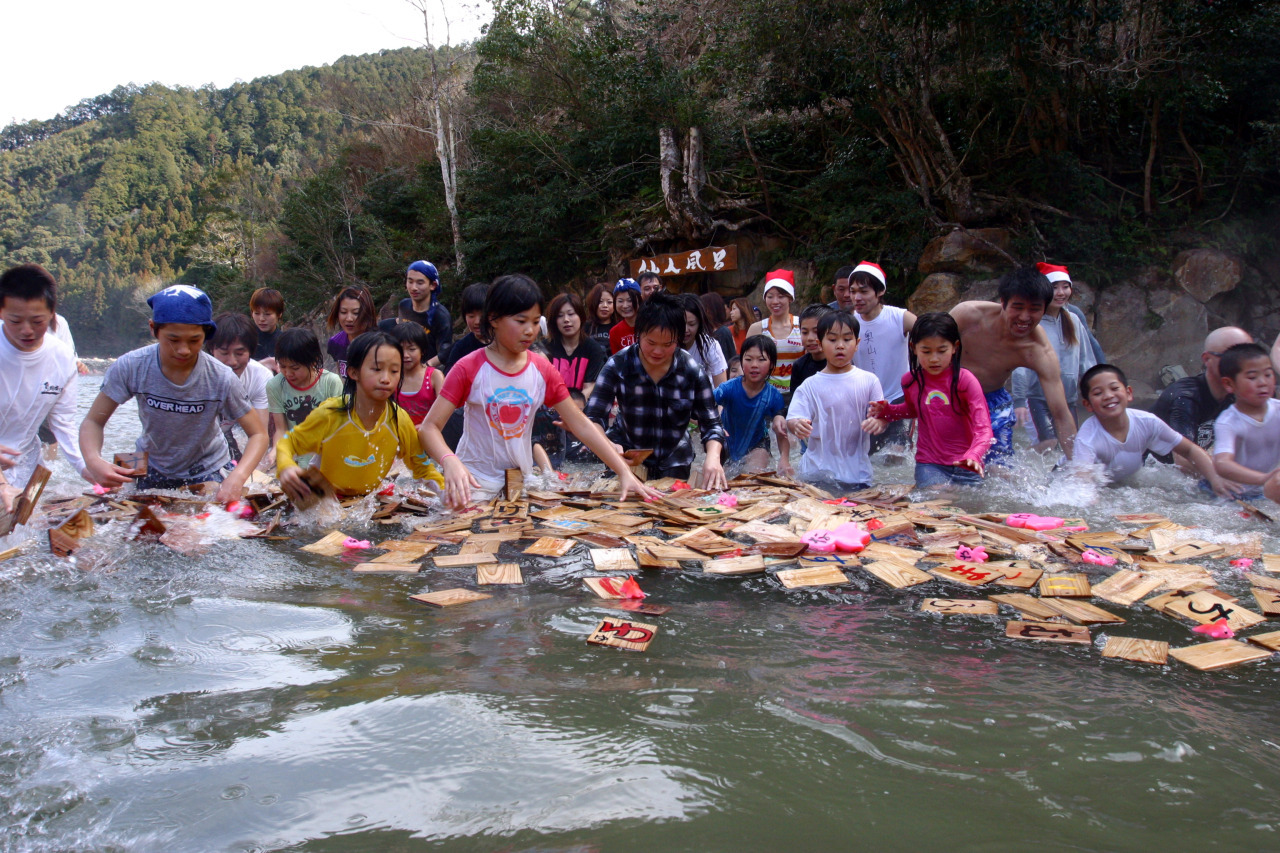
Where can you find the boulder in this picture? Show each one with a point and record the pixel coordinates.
(938, 292)
(1204, 273)
(1144, 330)
(966, 251)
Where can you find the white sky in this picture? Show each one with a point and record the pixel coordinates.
(59, 52)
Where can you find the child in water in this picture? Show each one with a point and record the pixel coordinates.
(830, 411)
(1246, 436)
(358, 435)
(749, 406)
(501, 387)
(955, 430)
(419, 384)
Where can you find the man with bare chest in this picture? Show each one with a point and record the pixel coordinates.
(998, 337)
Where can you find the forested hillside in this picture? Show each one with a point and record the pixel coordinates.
(575, 135)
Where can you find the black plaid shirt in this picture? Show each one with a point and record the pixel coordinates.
(655, 415)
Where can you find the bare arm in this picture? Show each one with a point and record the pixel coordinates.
(457, 479)
(255, 427)
(1205, 467)
(590, 434)
(1045, 364)
(541, 459)
(908, 322)
(757, 328)
(91, 429)
(784, 446)
(1227, 466)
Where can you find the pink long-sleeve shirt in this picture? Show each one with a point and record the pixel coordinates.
(946, 435)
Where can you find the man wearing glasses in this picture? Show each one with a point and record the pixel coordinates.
(1192, 404)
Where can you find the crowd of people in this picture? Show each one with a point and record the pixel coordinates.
(630, 370)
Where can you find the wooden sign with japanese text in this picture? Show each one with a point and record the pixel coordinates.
(1048, 632)
(1204, 607)
(710, 259)
(622, 634)
(960, 606)
(814, 576)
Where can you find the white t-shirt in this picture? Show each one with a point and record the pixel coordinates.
(882, 349)
(1122, 459)
(64, 333)
(255, 378)
(35, 385)
(1256, 444)
(710, 358)
(498, 410)
(836, 403)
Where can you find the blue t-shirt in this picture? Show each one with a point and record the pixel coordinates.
(747, 418)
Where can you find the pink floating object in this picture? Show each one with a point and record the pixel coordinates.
(1091, 556)
(627, 588)
(1242, 562)
(1033, 522)
(99, 489)
(850, 538)
(680, 485)
(820, 540)
(977, 554)
(1218, 629)
(352, 544)
(728, 500)
(841, 502)
(240, 509)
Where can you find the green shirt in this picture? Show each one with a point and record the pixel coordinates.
(296, 403)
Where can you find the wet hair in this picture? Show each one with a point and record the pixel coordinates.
(817, 309)
(935, 324)
(714, 310)
(267, 299)
(834, 318)
(746, 314)
(843, 272)
(593, 302)
(663, 312)
(1096, 371)
(233, 327)
(473, 297)
(767, 348)
(702, 338)
(364, 346)
(553, 313)
(1234, 358)
(301, 346)
(648, 276)
(863, 277)
(508, 295)
(30, 281)
(1027, 282)
(409, 332)
(359, 294)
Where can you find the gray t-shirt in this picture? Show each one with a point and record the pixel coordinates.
(180, 431)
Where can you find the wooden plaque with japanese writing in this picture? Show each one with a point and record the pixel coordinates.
(1268, 601)
(706, 542)
(454, 561)
(1016, 574)
(499, 573)
(623, 634)
(450, 597)
(1048, 632)
(1219, 654)
(712, 259)
(1204, 607)
(330, 545)
(1066, 585)
(749, 565)
(1027, 605)
(897, 575)
(595, 585)
(1127, 587)
(550, 546)
(1082, 611)
(961, 606)
(967, 574)
(1187, 549)
(1138, 651)
(137, 462)
(816, 576)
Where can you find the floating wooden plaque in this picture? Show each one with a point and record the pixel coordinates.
(320, 488)
(1268, 601)
(613, 560)
(1066, 585)
(1027, 605)
(1187, 549)
(961, 606)
(1082, 611)
(816, 576)
(1271, 562)
(632, 636)
(1141, 518)
(330, 545)
(25, 503)
(631, 605)
(548, 546)
(1015, 577)
(706, 542)
(885, 551)
(647, 560)
(145, 523)
(65, 538)
(455, 561)
(1138, 651)
(1263, 581)
(1049, 632)
(515, 484)
(404, 552)
(967, 574)
(499, 573)
(711, 512)
(1269, 640)
(595, 585)
(398, 568)
(1219, 654)
(450, 597)
(897, 575)
(473, 547)
(749, 565)
(1204, 607)
(1127, 587)
(762, 532)
(137, 462)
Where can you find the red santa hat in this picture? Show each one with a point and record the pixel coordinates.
(874, 269)
(1053, 272)
(784, 280)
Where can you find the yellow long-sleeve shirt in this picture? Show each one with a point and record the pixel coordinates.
(353, 459)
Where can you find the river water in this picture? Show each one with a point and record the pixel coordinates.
(258, 697)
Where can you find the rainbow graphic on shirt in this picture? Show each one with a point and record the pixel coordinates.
(937, 395)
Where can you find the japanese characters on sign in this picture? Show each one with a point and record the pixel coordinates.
(710, 259)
